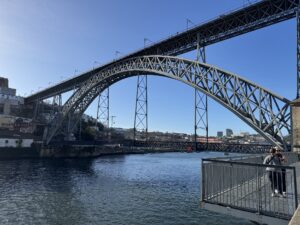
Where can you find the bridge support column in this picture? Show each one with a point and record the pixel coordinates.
(295, 109)
(140, 130)
(103, 108)
(103, 111)
(201, 106)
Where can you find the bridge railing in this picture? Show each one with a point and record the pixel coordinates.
(243, 183)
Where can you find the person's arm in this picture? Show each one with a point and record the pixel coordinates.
(266, 160)
(284, 158)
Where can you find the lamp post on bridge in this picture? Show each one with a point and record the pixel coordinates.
(188, 21)
(117, 53)
(112, 121)
(147, 40)
(95, 63)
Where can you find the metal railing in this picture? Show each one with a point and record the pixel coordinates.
(244, 183)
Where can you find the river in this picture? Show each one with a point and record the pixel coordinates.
(151, 189)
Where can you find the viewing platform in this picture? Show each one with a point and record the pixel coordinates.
(240, 186)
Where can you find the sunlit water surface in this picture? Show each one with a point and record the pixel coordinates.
(131, 189)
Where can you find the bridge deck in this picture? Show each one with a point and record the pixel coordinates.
(241, 21)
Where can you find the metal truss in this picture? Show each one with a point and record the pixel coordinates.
(57, 100)
(247, 19)
(36, 109)
(56, 105)
(103, 108)
(201, 103)
(244, 20)
(266, 112)
(140, 129)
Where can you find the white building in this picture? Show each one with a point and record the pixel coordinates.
(15, 142)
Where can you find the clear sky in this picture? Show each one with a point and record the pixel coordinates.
(43, 42)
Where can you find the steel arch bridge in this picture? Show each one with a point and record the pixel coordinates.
(264, 111)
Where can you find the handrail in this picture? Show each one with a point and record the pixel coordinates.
(248, 164)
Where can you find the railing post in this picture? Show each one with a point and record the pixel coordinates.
(295, 187)
(202, 181)
(258, 184)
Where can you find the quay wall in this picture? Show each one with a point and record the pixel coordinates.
(38, 151)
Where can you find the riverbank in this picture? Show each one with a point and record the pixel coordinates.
(75, 151)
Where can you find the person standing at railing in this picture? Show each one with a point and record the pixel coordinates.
(273, 159)
(282, 174)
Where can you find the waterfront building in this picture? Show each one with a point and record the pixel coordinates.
(244, 134)
(229, 132)
(220, 134)
(15, 142)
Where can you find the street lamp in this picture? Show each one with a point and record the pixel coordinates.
(75, 72)
(188, 21)
(112, 121)
(145, 41)
(117, 53)
(95, 63)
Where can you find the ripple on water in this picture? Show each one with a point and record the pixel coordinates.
(132, 189)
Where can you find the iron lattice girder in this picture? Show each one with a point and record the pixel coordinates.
(141, 105)
(264, 111)
(253, 17)
(103, 108)
(201, 103)
(201, 111)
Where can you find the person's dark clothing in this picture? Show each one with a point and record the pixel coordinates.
(273, 173)
(282, 175)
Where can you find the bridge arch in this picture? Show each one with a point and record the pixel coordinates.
(264, 111)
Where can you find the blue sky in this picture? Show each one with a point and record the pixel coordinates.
(43, 42)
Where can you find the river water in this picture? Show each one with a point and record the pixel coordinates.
(131, 189)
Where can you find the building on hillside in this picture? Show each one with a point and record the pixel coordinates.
(220, 134)
(13, 123)
(229, 132)
(209, 140)
(244, 134)
(10, 104)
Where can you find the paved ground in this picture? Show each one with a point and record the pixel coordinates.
(296, 218)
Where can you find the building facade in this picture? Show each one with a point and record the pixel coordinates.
(229, 132)
(220, 134)
(10, 104)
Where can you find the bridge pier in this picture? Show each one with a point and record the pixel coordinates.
(295, 110)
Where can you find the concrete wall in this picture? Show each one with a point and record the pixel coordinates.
(296, 125)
